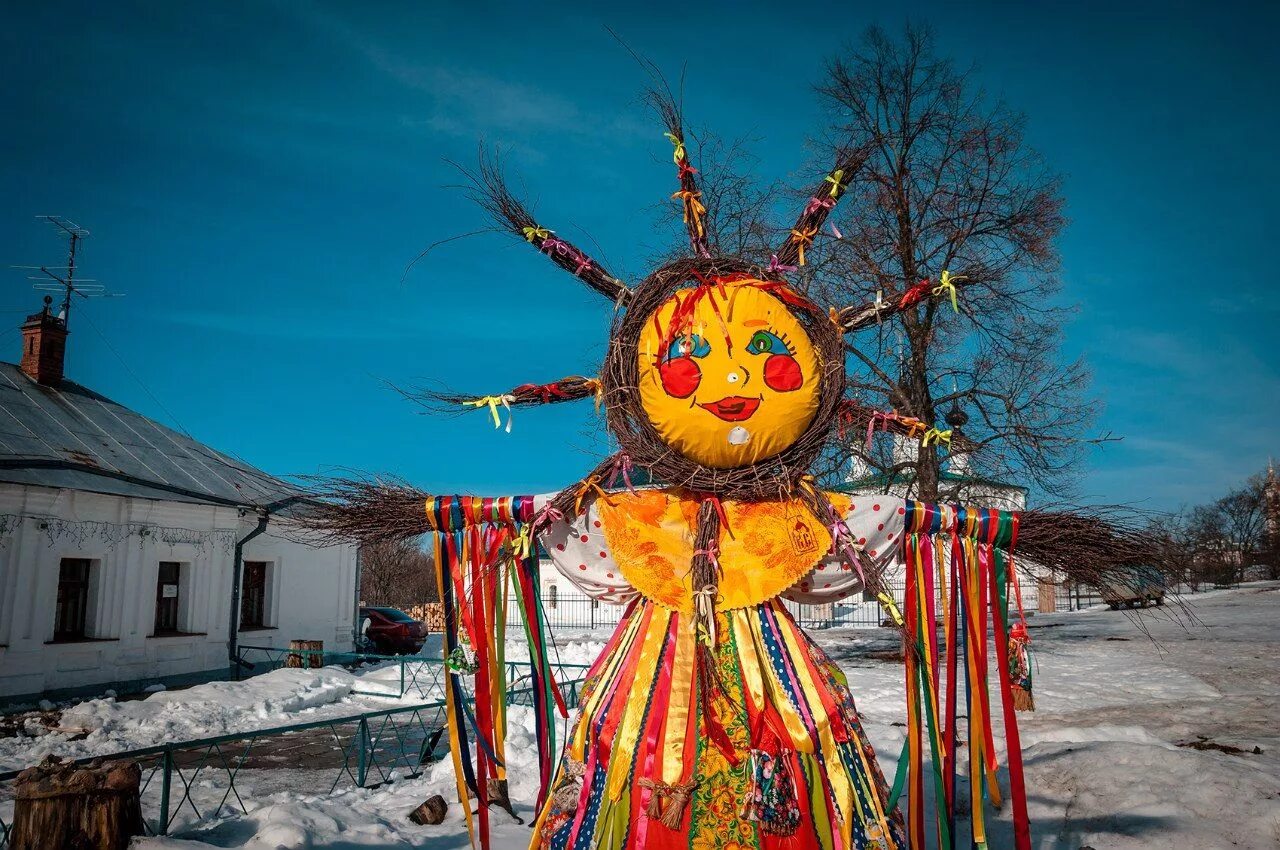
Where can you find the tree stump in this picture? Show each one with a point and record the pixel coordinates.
(431, 811)
(80, 807)
(314, 659)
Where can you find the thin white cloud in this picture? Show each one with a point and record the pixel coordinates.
(471, 103)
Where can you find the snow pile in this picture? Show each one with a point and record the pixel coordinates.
(103, 726)
(582, 648)
(422, 681)
(377, 817)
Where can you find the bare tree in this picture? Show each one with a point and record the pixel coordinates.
(1187, 558)
(950, 184)
(1226, 537)
(396, 573)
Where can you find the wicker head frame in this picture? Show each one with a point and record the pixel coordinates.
(768, 478)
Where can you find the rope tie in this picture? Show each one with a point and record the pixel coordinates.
(676, 797)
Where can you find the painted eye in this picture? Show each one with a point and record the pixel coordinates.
(688, 345)
(766, 342)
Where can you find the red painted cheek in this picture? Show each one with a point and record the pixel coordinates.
(680, 376)
(782, 373)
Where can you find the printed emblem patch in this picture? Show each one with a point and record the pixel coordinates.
(802, 537)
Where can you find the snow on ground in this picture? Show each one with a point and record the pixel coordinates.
(1111, 752)
(279, 816)
(1150, 733)
(281, 697)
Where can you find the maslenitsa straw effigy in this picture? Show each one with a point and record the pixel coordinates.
(711, 719)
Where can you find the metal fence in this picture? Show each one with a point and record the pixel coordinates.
(574, 611)
(186, 783)
(1076, 597)
(406, 675)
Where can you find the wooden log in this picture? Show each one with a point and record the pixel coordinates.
(299, 656)
(86, 807)
(431, 811)
(1046, 596)
(432, 616)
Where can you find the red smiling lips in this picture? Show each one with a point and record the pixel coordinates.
(732, 408)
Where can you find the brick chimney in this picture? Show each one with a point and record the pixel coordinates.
(44, 345)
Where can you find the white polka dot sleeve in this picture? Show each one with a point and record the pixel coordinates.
(580, 553)
(875, 523)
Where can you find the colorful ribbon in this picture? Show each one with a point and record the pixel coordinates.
(937, 437)
(776, 266)
(535, 232)
(493, 401)
(803, 238)
(622, 468)
(819, 203)
(679, 145)
(693, 208)
(947, 284)
(704, 602)
(834, 179)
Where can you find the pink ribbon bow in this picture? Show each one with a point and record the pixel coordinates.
(622, 467)
(816, 204)
(776, 267)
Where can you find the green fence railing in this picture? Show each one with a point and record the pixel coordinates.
(416, 676)
(187, 783)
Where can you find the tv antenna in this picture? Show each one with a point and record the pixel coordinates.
(62, 280)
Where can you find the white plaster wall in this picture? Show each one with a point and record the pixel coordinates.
(311, 595)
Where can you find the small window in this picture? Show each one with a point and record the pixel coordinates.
(73, 599)
(253, 595)
(167, 598)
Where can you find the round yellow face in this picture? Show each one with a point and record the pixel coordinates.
(728, 375)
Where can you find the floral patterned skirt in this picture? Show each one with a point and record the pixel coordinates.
(758, 747)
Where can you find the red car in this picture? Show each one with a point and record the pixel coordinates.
(393, 632)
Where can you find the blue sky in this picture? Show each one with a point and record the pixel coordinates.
(256, 177)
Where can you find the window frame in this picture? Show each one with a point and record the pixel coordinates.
(262, 597)
(171, 604)
(84, 585)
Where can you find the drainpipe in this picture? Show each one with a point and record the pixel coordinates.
(355, 612)
(237, 568)
(233, 621)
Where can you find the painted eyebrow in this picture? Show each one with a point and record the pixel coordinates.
(755, 323)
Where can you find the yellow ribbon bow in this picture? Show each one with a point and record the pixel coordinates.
(937, 437)
(596, 388)
(584, 490)
(693, 208)
(803, 238)
(522, 546)
(492, 401)
(947, 283)
(887, 601)
(834, 179)
(679, 143)
(535, 231)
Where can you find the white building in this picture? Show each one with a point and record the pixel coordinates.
(132, 554)
(961, 485)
